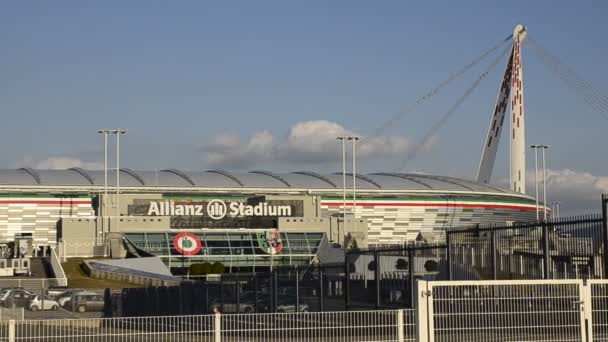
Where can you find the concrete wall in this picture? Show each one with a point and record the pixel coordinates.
(39, 214)
(336, 229)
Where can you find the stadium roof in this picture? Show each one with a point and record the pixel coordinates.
(253, 179)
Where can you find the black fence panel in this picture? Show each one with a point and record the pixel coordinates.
(563, 248)
(385, 278)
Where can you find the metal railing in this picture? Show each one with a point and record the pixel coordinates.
(394, 325)
(34, 284)
(82, 248)
(58, 269)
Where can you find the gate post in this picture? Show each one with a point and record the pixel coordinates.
(586, 310)
(493, 246)
(400, 335)
(321, 288)
(410, 276)
(217, 327)
(422, 314)
(377, 278)
(11, 330)
(448, 257)
(546, 251)
(605, 231)
(346, 280)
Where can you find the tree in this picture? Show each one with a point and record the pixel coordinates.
(196, 269)
(206, 268)
(401, 264)
(217, 268)
(372, 265)
(431, 266)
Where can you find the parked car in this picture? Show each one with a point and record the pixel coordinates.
(55, 292)
(285, 304)
(68, 294)
(245, 305)
(288, 304)
(83, 302)
(18, 297)
(37, 303)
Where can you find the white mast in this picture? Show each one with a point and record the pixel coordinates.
(518, 135)
(510, 93)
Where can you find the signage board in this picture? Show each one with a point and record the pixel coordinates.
(218, 213)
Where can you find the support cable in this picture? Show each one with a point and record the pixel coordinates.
(566, 70)
(567, 75)
(433, 130)
(582, 87)
(426, 97)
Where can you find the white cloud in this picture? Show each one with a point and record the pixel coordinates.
(58, 163)
(577, 191)
(311, 142)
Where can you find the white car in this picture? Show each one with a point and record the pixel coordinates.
(49, 304)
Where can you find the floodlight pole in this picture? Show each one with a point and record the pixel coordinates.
(544, 147)
(354, 140)
(118, 133)
(535, 147)
(343, 139)
(102, 204)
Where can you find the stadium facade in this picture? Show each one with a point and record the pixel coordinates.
(54, 205)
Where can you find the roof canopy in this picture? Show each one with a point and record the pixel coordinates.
(252, 179)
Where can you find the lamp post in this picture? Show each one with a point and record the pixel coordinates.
(118, 133)
(544, 147)
(535, 147)
(354, 141)
(105, 133)
(343, 139)
(555, 208)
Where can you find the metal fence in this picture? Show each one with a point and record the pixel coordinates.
(565, 248)
(386, 278)
(33, 284)
(504, 311)
(285, 289)
(395, 325)
(494, 310)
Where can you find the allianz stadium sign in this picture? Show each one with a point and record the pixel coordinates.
(217, 209)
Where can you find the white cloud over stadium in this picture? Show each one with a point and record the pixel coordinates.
(311, 142)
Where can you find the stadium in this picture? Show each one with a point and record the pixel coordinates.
(152, 207)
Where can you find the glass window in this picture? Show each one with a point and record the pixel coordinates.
(157, 243)
(138, 239)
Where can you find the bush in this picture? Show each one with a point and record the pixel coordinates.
(371, 266)
(401, 264)
(206, 268)
(217, 268)
(431, 265)
(196, 269)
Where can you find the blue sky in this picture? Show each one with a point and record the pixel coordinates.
(183, 76)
